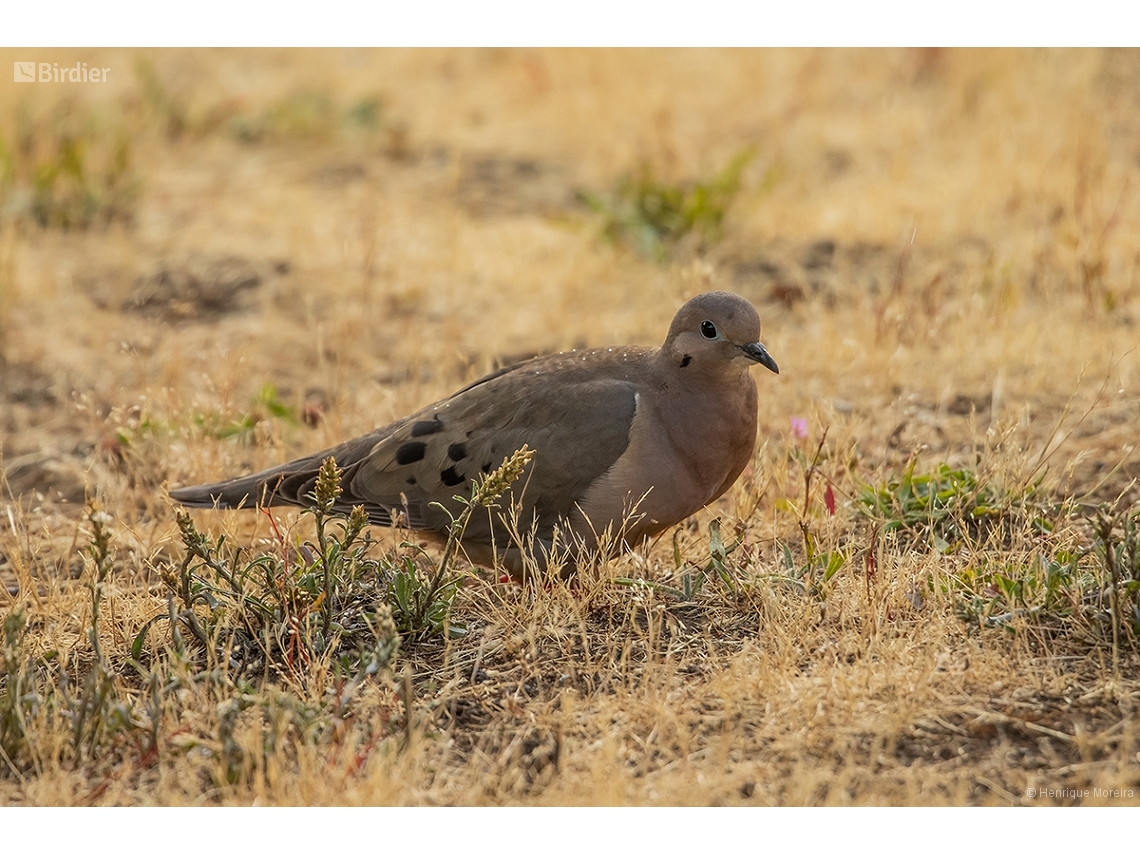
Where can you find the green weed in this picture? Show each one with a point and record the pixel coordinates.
(16, 701)
(307, 115)
(689, 578)
(281, 611)
(950, 507)
(66, 171)
(170, 110)
(652, 217)
(1081, 577)
(266, 404)
(287, 608)
(1041, 589)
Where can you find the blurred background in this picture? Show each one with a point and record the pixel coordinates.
(222, 258)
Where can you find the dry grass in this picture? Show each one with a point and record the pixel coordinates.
(268, 251)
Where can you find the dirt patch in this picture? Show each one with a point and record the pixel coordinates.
(199, 289)
(503, 186)
(47, 475)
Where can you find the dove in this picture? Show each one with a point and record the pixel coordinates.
(627, 441)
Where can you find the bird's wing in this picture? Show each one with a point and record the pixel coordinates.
(574, 410)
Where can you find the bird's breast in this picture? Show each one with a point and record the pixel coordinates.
(684, 452)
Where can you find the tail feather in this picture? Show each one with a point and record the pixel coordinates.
(289, 484)
(260, 490)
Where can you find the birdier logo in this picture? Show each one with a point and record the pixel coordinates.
(51, 72)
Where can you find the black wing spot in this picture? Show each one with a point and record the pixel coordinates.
(457, 451)
(450, 477)
(486, 467)
(412, 481)
(410, 452)
(686, 360)
(427, 428)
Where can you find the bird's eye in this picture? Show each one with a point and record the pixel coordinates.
(708, 329)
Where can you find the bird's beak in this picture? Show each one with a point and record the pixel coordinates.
(758, 353)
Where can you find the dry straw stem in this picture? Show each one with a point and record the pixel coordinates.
(305, 244)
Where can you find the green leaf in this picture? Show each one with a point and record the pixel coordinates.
(835, 560)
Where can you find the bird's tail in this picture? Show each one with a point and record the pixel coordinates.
(288, 484)
(260, 490)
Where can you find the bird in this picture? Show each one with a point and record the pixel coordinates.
(627, 442)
